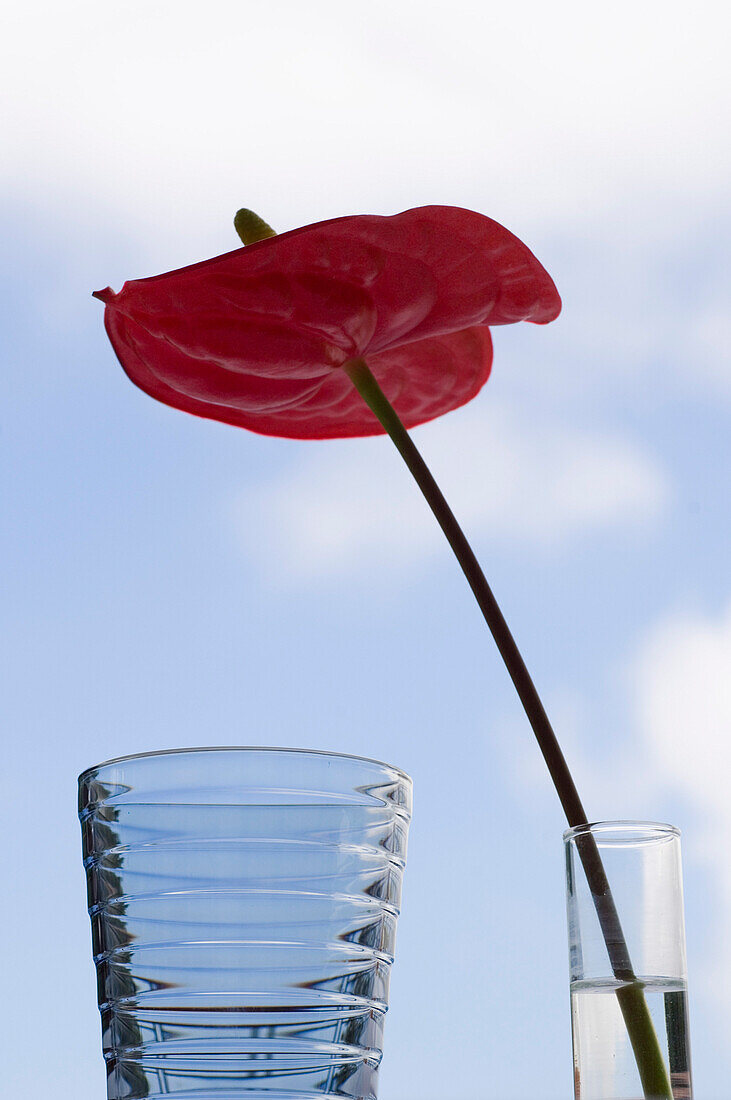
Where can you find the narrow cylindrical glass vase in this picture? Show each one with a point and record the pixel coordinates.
(648, 998)
(243, 906)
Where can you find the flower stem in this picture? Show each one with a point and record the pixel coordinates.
(643, 1038)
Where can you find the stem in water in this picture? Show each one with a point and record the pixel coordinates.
(641, 1031)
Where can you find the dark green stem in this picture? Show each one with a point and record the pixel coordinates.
(645, 1045)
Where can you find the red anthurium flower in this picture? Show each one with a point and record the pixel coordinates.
(354, 327)
(257, 337)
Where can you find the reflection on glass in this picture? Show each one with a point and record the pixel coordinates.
(243, 907)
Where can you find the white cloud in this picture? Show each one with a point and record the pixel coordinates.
(683, 699)
(539, 486)
(708, 344)
(152, 123)
(167, 113)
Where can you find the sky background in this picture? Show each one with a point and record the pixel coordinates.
(175, 582)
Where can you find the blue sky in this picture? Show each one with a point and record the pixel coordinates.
(176, 582)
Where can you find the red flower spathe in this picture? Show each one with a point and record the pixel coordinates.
(257, 337)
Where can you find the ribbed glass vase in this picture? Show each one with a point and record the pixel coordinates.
(243, 905)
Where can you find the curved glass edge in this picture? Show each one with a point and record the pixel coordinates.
(115, 760)
(225, 774)
(622, 831)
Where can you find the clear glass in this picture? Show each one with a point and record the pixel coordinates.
(642, 865)
(243, 906)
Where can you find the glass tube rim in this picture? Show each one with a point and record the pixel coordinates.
(624, 831)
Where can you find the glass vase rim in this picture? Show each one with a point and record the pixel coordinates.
(263, 749)
(623, 830)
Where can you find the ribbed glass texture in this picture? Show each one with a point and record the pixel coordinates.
(243, 905)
